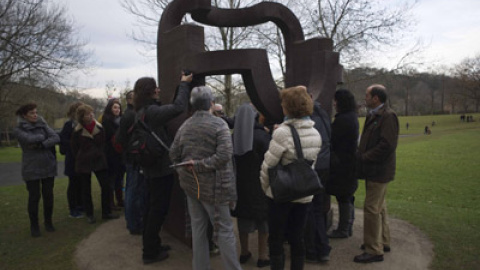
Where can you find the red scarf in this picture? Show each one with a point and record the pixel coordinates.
(90, 127)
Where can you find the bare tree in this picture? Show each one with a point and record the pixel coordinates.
(37, 40)
(358, 28)
(468, 73)
(38, 47)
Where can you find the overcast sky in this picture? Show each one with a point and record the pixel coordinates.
(450, 27)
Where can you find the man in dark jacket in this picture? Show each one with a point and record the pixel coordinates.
(376, 157)
(316, 240)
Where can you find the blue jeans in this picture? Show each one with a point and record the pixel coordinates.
(200, 213)
(134, 198)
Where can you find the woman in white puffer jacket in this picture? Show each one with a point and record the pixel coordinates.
(289, 219)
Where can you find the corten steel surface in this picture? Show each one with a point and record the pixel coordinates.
(308, 62)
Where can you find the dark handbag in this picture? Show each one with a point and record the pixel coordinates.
(295, 180)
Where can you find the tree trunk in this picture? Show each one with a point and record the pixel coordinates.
(228, 94)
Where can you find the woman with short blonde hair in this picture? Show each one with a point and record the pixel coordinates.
(290, 216)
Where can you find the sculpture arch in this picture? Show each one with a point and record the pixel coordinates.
(308, 62)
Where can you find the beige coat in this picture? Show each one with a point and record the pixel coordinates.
(282, 149)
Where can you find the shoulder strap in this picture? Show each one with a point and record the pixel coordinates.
(147, 128)
(296, 141)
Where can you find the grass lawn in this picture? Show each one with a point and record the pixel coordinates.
(436, 189)
(19, 251)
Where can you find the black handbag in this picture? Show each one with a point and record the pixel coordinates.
(294, 180)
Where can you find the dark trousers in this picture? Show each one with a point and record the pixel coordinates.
(86, 180)
(159, 191)
(115, 174)
(74, 193)
(316, 239)
(34, 196)
(135, 198)
(286, 220)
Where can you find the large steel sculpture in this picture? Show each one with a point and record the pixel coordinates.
(308, 62)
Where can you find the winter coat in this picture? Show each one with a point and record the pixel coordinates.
(282, 149)
(322, 125)
(156, 117)
(206, 139)
(66, 147)
(38, 153)
(114, 158)
(88, 149)
(252, 203)
(376, 152)
(342, 181)
(122, 135)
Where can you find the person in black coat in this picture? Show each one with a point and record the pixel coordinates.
(250, 142)
(88, 142)
(343, 182)
(74, 189)
(116, 168)
(159, 176)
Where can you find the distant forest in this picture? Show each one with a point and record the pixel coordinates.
(415, 94)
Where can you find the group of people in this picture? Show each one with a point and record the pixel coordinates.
(222, 174)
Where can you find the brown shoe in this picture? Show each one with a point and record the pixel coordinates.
(368, 258)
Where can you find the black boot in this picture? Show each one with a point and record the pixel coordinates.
(342, 230)
(34, 227)
(35, 231)
(119, 197)
(297, 262)
(49, 226)
(277, 262)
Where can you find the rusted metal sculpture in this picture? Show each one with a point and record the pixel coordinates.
(308, 62)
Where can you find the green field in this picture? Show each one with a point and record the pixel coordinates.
(436, 189)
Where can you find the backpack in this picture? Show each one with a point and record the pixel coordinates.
(144, 146)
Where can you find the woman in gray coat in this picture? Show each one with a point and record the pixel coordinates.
(39, 165)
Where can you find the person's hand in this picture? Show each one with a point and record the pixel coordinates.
(190, 164)
(187, 78)
(275, 126)
(36, 146)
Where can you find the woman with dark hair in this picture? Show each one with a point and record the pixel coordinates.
(74, 189)
(116, 169)
(291, 216)
(39, 165)
(342, 182)
(88, 142)
(159, 176)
